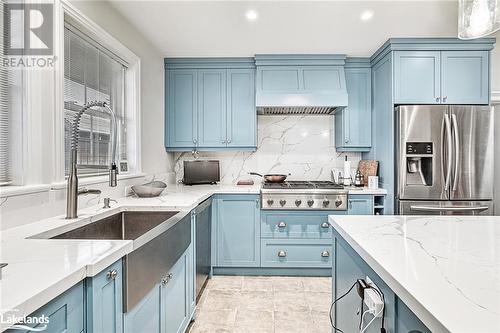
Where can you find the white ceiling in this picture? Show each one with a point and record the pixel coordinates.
(219, 28)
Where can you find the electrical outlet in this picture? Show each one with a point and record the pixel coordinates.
(373, 299)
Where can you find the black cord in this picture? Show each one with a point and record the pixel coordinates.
(338, 299)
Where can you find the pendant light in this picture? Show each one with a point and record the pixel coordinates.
(478, 18)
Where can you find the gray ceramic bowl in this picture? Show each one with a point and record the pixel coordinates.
(149, 190)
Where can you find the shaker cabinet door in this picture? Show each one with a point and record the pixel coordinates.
(181, 102)
(417, 77)
(212, 108)
(464, 76)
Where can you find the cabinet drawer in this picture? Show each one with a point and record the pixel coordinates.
(296, 253)
(299, 225)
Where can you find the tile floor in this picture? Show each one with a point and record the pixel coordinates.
(253, 304)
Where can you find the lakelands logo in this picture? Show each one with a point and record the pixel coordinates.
(29, 28)
(10, 320)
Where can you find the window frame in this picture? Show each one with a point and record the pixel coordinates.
(41, 156)
(74, 17)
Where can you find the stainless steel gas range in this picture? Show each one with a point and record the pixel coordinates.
(304, 195)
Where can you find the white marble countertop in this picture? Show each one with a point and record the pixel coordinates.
(446, 269)
(40, 269)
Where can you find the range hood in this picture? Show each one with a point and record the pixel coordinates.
(300, 84)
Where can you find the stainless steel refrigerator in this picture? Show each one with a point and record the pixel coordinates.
(444, 160)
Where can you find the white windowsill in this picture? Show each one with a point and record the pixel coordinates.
(15, 190)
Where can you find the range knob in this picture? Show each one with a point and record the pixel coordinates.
(282, 202)
(270, 202)
(310, 203)
(326, 203)
(298, 202)
(338, 203)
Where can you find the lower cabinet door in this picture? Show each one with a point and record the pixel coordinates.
(238, 230)
(145, 317)
(407, 321)
(296, 253)
(175, 297)
(64, 314)
(104, 300)
(360, 205)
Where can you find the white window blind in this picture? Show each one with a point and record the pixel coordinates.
(92, 73)
(5, 102)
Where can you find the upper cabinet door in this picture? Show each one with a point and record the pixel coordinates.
(465, 78)
(417, 77)
(212, 108)
(241, 113)
(181, 101)
(356, 118)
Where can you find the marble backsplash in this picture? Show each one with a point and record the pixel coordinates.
(300, 145)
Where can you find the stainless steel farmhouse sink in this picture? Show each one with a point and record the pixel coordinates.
(160, 238)
(123, 225)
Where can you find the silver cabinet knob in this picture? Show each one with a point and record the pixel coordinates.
(445, 98)
(195, 141)
(325, 225)
(325, 254)
(281, 254)
(281, 224)
(165, 280)
(437, 99)
(111, 275)
(228, 141)
(224, 142)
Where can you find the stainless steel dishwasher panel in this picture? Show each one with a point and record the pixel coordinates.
(145, 266)
(203, 218)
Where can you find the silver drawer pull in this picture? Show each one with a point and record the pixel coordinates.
(325, 254)
(166, 279)
(111, 275)
(281, 254)
(282, 225)
(325, 225)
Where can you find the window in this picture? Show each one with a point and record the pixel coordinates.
(91, 72)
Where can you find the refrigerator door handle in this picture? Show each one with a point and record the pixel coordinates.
(450, 147)
(457, 150)
(448, 209)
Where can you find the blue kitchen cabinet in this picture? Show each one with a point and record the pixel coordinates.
(65, 313)
(417, 77)
(360, 205)
(167, 308)
(104, 300)
(407, 321)
(237, 230)
(210, 104)
(211, 108)
(175, 296)
(181, 102)
(146, 316)
(353, 123)
(348, 267)
(464, 77)
(296, 253)
(241, 115)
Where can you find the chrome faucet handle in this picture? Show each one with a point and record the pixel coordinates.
(85, 191)
(107, 201)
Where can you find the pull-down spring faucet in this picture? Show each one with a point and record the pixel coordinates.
(72, 189)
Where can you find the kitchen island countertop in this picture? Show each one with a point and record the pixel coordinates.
(446, 269)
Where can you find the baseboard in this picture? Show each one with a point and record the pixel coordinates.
(261, 271)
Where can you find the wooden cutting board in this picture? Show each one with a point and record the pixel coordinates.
(367, 168)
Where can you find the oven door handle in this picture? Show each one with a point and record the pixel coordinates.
(448, 208)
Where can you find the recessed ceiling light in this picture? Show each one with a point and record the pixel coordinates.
(251, 15)
(367, 15)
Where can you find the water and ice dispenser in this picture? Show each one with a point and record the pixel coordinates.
(419, 159)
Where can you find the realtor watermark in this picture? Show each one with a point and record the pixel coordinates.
(29, 35)
(10, 319)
